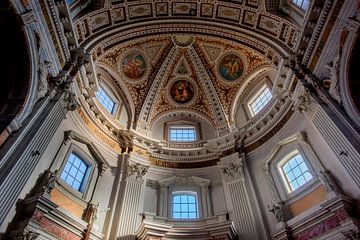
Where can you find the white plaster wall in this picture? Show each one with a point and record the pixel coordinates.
(256, 159)
(218, 199)
(150, 204)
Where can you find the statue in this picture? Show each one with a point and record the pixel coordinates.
(95, 210)
(333, 68)
(51, 178)
(277, 210)
(43, 85)
(70, 101)
(327, 180)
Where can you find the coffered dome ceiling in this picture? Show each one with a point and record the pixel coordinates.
(193, 61)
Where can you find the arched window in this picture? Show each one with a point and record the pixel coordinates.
(295, 172)
(76, 172)
(303, 4)
(105, 100)
(260, 100)
(184, 205)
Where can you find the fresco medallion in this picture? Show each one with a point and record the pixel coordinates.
(231, 67)
(134, 65)
(182, 91)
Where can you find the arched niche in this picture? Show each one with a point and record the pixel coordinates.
(15, 70)
(349, 76)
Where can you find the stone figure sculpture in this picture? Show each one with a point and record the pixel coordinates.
(327, 180)
(333, 68)
(277, 210)
(50, 181)
(43, 85)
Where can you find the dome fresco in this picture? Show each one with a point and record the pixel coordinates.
(162, 76)
(231, 67)
(133, 65)
(182, 91)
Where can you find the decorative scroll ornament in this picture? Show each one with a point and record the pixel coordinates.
(277, 210)
(137, 170)
(233, 171)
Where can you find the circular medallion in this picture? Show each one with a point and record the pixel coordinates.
(182, 91)
(231, 67)
(134, 65)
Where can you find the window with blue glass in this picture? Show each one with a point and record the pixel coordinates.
(105, 100)
(303, 4)
(261, 99)
(296, 172)
(182, 133)
(69, 2)
(184, 206)
(75, 172)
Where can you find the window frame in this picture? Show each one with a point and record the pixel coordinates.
(92, 166)
(85, 177)
(187, 193)
(284, 177)
(254, 97)
(182, 126)
(300, 7)
(111, 97)
(285, 149)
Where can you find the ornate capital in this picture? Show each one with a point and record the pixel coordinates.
(232, 171)
(137, 170)
(231, 167)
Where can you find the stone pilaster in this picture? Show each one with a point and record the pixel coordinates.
(236, 194)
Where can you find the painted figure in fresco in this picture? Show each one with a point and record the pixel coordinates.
(231, 67)
(134, 65)
(182, 91)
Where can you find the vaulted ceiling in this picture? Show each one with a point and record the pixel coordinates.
(182, 73)
(180, 57)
